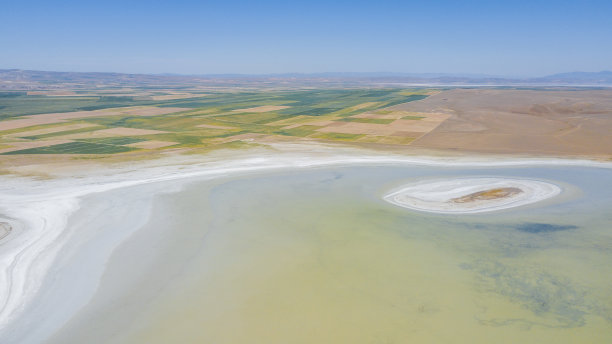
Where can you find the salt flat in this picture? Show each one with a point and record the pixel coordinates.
(38, 257)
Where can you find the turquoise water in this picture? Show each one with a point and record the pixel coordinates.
(317, 256)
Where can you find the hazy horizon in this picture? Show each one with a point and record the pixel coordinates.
(187, 37)
(319, 74)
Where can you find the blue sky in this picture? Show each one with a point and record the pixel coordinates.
(512, 38)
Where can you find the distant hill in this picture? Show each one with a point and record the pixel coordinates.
(17, 79)
(595, 78)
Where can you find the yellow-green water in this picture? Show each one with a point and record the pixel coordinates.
(318, 257)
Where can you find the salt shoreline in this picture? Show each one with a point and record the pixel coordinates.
(40, 210)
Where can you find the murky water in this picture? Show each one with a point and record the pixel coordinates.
(316, 256)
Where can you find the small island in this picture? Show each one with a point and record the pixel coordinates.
(488, 195)
(471, 195)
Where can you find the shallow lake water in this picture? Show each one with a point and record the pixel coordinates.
(316, 256)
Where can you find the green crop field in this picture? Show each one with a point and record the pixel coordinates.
(75, 148)
(338, 136)
(116, 140)
(20, 104)
(204, 120)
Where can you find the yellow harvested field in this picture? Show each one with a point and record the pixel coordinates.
(369, 139)
(152, 144)
(358, 128)
(51, 118)
(50, 130)
(241, 137)
(315, 123)
(150, 110)
(212, 126)
(413, 134)
(120, 131)
(426, 116)
(363, 105)
(176, 96)
(390, 140)
(115, 94)
(59, 93)
(395, 115)
(112, 132)
(291, 126)
(42, 119)
(395, 140)
(265, 108)
(15, 146)
(301, 119)
(412, 128)
(389, 115)
(322, 123)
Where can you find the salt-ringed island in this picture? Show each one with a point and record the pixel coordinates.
(471, 195)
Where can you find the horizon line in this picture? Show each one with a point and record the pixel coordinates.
(348, 74)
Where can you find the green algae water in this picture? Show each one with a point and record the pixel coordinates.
(316, 256)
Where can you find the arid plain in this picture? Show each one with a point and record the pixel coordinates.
(541, 122)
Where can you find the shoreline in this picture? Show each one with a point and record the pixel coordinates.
(86, 166)
(39, 211)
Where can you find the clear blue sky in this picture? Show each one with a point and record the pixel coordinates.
(514, 38)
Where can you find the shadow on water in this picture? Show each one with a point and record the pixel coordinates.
(530, 227)
(525, 227)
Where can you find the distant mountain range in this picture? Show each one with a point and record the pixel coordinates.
(597, 78)
(30, 79)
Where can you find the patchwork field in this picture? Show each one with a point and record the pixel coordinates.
(182, 119)
(185, 120)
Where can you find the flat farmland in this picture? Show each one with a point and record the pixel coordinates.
(142, 121)
(96, 123)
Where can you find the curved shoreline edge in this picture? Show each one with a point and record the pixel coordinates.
(42, 208)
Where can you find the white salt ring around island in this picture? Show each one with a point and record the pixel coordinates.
(441, 195)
